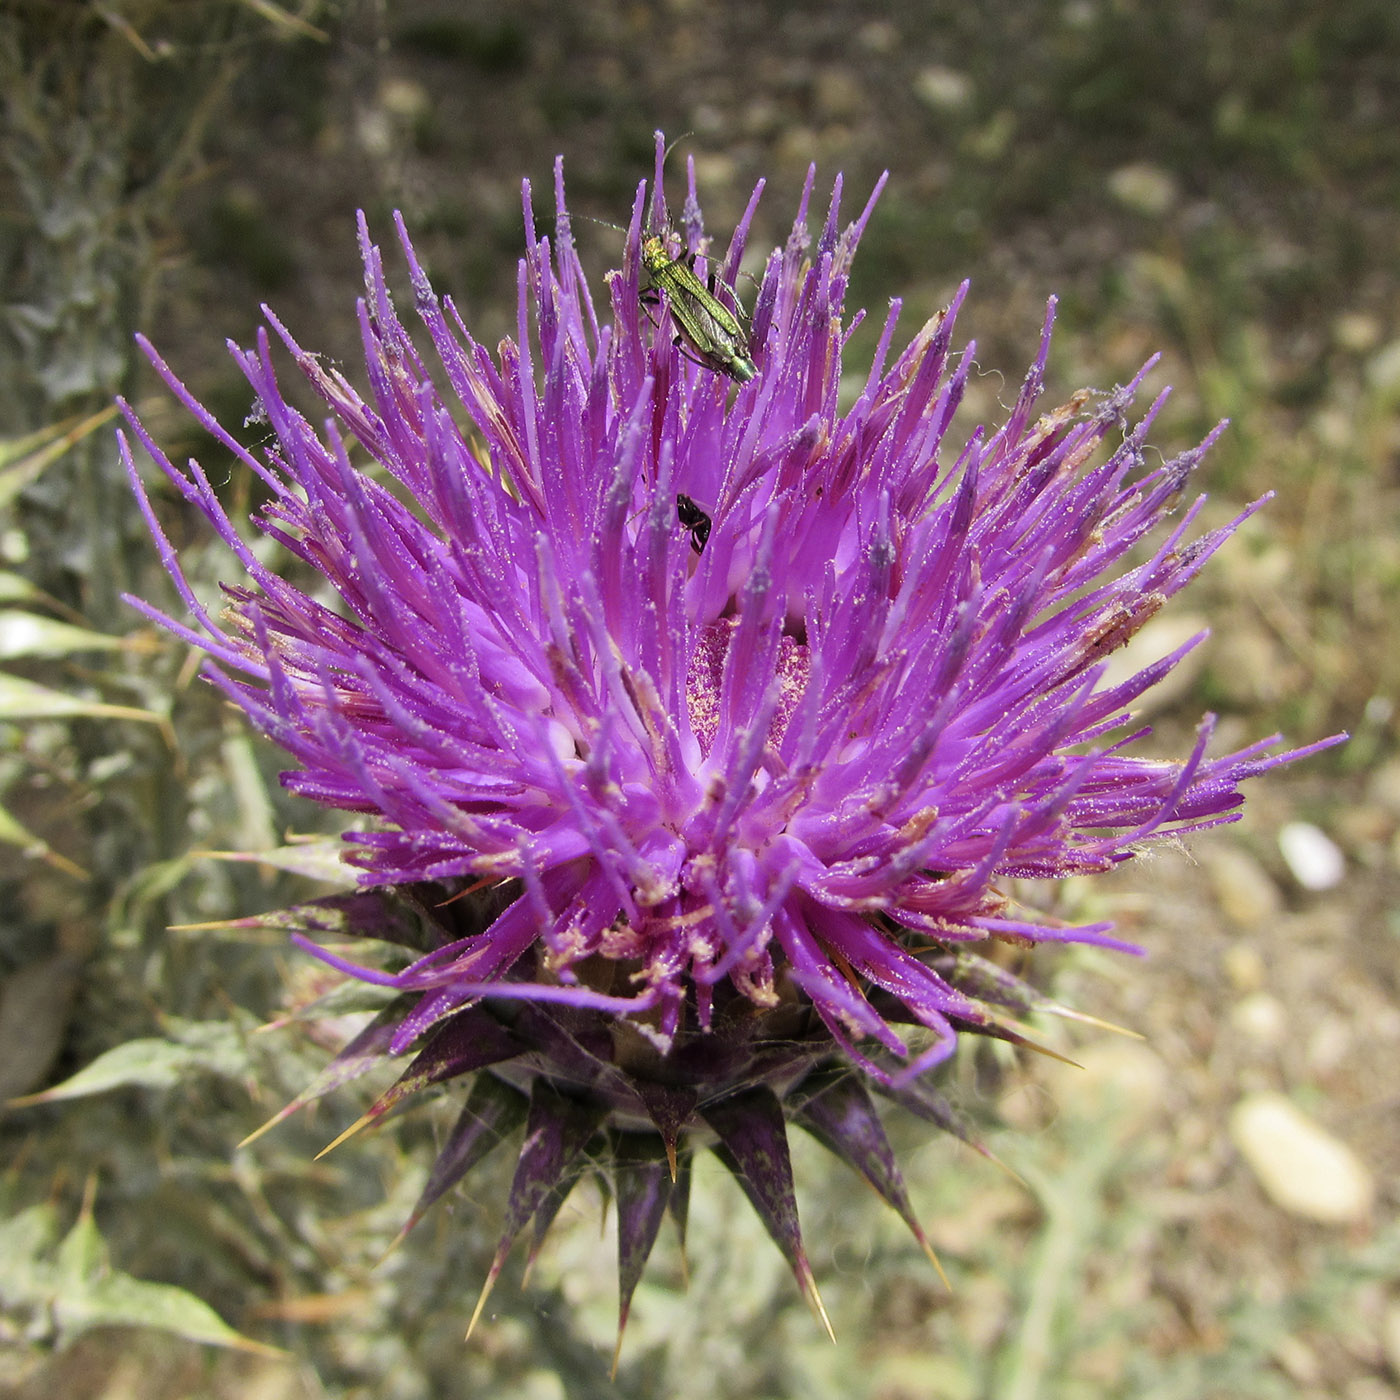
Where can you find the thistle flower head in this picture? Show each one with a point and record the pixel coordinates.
(738, 697)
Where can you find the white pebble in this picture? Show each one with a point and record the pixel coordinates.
(1301, 1166)
(1312, 856)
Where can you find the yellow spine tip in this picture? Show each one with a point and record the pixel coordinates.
(481, 1301)
(808, 1285)
(349, 1132)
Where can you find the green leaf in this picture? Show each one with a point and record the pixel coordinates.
(120, 1300)
(82, 1255)
(15, 588)
(26, 634)
(27, 1278)
(21, 699)
(154, 1063)
(13, 834)
(148, 1063)
(88, 1292)
(25, 459)
(218, 1046)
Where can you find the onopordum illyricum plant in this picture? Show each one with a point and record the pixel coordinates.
(690, 836)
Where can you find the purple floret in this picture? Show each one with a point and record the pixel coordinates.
(790, 763)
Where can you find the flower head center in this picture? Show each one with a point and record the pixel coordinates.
(705, 682)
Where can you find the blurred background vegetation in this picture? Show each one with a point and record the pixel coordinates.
(1220, 183)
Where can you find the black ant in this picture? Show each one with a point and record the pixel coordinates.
(695, 520)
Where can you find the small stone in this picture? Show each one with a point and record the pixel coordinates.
(1243, 890)
(794, 145)
(1260, 1017)
(1302, 1168)
(1144, 188)
(405, 99)
(837, 95)
(714, 170)
(1334, 427)
(1244, 966)
(1356, 331)
(879, 36)
(376, 133)
(1312, 856)
(944, 89)
(1330, 1045)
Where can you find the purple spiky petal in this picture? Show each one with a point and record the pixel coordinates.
(837, 1110)
(752, 1132)
(492, 1112)
(364, 1052)
(643, 1184)
(556, 1130)
(471, 1040)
